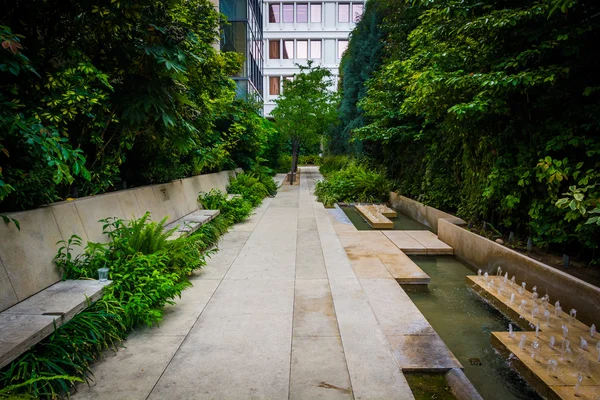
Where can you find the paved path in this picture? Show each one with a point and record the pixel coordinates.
(277, 313)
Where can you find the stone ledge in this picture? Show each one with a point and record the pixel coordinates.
(36, 317)
(190, 223)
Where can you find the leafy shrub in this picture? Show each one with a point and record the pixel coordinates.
(252, 187)
(312, 159)
(146, 268)
(355, 183)
(236, 208)
(284, 163)
(331, 164)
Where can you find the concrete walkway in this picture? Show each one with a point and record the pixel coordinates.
(277, 313)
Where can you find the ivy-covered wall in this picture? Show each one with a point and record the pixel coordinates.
(490, 110)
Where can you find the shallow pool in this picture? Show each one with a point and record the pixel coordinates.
(401, 222)
(464, 323)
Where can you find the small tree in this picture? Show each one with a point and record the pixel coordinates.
(306, 108)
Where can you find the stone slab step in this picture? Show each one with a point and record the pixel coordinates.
(419, 242)
(373, 255)
(36, 317)
(416, 345)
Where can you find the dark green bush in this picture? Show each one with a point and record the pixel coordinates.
(236, 208)
(252, 187)
(331, 164)
(354, 183)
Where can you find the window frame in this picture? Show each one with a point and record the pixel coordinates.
(276, 16)
(340, 55)
(283, 6)
(272, 79)
(320, 42)
(310, 18)
(272, 42)
(339, 7)
(303, 41)
(283, 48)
(306, 15)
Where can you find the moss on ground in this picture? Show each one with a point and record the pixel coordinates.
(429, 386)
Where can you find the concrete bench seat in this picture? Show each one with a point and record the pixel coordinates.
(191, 222)
(31, 320)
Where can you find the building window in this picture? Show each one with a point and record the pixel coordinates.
(315, 12)
(274, 85)
(302, 13)
(288, 13)
(274, 49)
(288, 49)
(342, 46)
(302, 49)
(357, 11)
(274, 13)
(315, 49)
(343, 12)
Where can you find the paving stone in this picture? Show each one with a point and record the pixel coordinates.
(179, 318)
(374, 372)
(309, 256)
(319, 369)
(422, 353)
(405, 242)
(239, 348)
(313, 309)
(132, 372)
(431, 242)
(395, 311)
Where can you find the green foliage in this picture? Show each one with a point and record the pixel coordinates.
(360, 61)
(99, 95)
(305, 109)
(487, 109)
(252, 187)
(355, 183)
(334, 163)
(236, 208)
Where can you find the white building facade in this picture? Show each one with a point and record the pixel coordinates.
(295, 32)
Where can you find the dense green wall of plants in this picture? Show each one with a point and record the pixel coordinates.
(98, 95)
(490, 110)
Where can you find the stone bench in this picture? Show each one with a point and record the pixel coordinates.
(31, 320)
(191, 222)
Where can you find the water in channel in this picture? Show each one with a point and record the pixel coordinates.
(464, 323)
(401, 223)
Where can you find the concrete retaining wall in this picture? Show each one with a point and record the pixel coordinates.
(26, 256)
(426, 215)
(487, 255)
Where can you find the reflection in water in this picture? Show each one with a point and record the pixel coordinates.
(465, 324)
(401, 222)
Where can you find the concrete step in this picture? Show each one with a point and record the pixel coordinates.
(374, 256)
(419, 242)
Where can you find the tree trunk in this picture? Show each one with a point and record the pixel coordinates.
(294, 161)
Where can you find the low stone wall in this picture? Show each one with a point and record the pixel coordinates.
(426, 215)
(26, 256)
(487, 255)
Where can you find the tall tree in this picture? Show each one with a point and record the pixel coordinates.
(306, 108)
